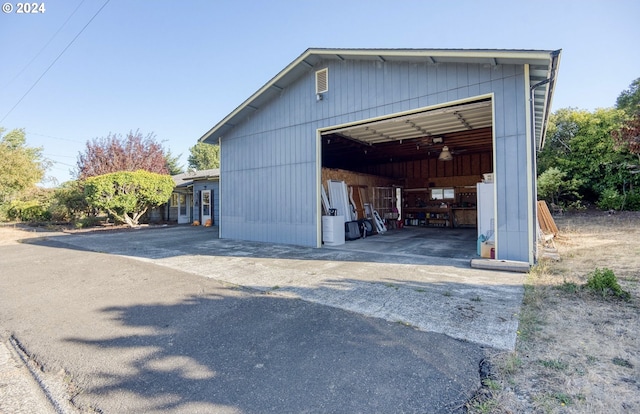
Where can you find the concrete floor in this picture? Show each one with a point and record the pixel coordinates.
(416, 242)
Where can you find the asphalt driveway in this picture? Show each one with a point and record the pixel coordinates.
(436, 293)
(128, 322)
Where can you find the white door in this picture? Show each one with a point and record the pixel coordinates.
(184, 207)
(205, 206)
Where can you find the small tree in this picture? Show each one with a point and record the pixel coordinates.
(115, 153)
(128, 195)
(21, 167)
(70, 201)
(204, 156)
(553, 184)
(173, 163)
(629, 99)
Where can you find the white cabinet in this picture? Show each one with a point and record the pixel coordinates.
(486, 219)
(333, 230)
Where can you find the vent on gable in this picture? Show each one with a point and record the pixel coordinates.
(322, 80)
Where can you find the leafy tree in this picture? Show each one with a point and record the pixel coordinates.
(70, 202)
(21, 166)
(629, 99)
(553, 186)
(204, 156)
(116, 153)
(627, 138)
(580, 144)
(33, 204)
(127, 195)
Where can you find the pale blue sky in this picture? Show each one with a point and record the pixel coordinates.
(176, 68)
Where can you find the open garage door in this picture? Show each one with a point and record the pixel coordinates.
(419, 169)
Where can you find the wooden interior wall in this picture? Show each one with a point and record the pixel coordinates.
(362, 183)
(457, 181)
(464, 169)
(353, 178)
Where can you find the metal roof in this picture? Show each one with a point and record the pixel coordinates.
(189, 177)
(543, 67)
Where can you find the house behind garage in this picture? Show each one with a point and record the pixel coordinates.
(383, 117)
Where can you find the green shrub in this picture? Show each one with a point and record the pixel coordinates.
(86, 222)
(31, 210)
(605, 283)
(610, 199)
(632, 201)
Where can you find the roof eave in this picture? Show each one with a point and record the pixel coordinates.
(554, 66)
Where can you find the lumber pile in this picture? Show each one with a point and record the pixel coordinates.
(547, 223)
(548, 231)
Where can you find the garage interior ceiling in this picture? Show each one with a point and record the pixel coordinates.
(464, 128)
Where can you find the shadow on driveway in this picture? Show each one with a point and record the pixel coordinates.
(435, 294)
(270, 354)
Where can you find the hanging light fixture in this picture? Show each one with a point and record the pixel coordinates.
(445, 155)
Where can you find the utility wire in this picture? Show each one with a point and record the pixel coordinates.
(50, 136)
(54, 61)
(45, 46)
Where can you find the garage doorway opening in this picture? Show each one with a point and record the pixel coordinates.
(419, 171)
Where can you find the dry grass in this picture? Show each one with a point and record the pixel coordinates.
(577, 352)
(12, 233)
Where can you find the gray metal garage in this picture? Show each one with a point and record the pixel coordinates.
(430, 122)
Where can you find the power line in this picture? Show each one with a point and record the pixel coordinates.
(50, 136)
(62, 156)
(62, 163)
(45, 46)
(54, 61)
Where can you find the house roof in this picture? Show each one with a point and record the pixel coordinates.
(186, 179)
(543, 67)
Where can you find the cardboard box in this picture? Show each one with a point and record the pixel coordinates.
(485, 249)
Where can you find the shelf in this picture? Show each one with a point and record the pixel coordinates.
(428, 216)
(459, 211)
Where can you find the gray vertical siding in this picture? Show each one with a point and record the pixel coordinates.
(269, 165)
(214, 186)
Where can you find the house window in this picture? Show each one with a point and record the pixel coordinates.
(174, 200)
(442, 193)
(183, 204)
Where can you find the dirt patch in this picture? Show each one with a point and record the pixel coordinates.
(13, 233)
(576, 352)
(16, 232)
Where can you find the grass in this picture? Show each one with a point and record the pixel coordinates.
(603, 282)
(483, 407)
(556, 364)
(493, 385)
(563, 398)
(569, 287)
(621, 362)
(576, 340)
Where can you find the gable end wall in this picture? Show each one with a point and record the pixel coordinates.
(269, 168)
